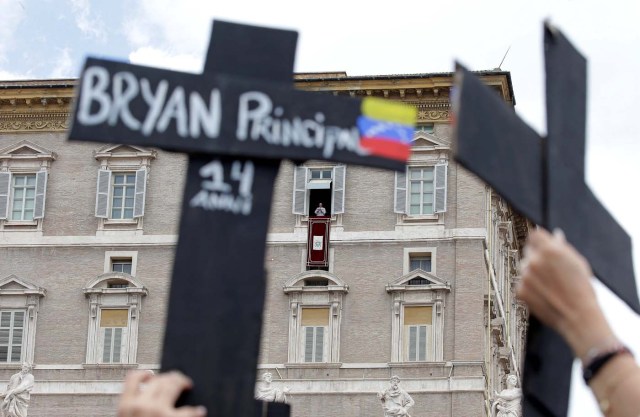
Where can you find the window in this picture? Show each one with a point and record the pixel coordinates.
(421, 190)
(315, 324)
(23, 185)
(121, 261)
(312, 186)
(113, 332)
(115, 301)
(315, 299)
(23, 197)
(19, 305)
(11, 335)
(417, 324)
(417, 333)
(425, 128)
(121, 195)
(417, 261)
(121, 187)
(122, 265)
(419, 258)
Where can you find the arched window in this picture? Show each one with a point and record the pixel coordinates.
(115, 301)
(315, 299)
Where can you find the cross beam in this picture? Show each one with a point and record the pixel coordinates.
(543, 178)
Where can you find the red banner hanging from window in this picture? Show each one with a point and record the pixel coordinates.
(318, 242)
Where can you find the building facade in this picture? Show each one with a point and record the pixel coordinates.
(409, 274)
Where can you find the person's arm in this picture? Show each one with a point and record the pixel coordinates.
(157, 397)
(557, 289)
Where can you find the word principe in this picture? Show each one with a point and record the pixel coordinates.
(153, 107)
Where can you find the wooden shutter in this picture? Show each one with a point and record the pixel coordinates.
(102, 193)
(106, 346)
(422, 343)
(400, 195)
(319, 348)
(413, 330)
(117, 345)
(339, 177)
(5, 187)
(300, 190)
(308, 344)
(440, 191)
(41, 191)
(140, 191)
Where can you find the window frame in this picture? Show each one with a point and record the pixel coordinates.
(301, 191)
(10, 344)
(24, 158)
(100, 298)
(19, 294)
(303, 297)
(430, 295)
(110, 256)
(116, 160)
(402, 191)
(429, 353)
(430, 251)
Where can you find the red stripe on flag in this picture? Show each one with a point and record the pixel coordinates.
(387, 148)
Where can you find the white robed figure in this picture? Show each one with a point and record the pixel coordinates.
(507, 402)
(268, 393)
(395, 401)
(16, 398)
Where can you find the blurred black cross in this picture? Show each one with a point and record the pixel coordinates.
(543, 178)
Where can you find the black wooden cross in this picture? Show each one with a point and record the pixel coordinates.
(244, 111)
(543, 178)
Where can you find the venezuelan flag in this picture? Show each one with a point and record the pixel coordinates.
(386, 128)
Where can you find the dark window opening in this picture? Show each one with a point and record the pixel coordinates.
(316, 282)
(116, 283)
(418, 281)
(320, 196)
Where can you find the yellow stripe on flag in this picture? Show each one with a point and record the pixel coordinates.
(385, 110)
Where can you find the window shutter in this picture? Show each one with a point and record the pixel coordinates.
(106, 346)
(102, 193)
(117, 344)
(422, 343)
(339, 177)
(300, 190)
(5, 187)
(140, 191)
(41, 191)
(319, 344)
(412, 342)
(308, 344)
(400, 198)
(440, 188)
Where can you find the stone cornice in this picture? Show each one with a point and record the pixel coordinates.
(27, 106)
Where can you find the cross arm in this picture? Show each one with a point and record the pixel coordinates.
(231, 115)
(493, 143)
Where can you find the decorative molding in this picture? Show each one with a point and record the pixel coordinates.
(40, 121)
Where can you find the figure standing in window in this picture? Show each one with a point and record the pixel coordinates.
(320, 211)
(18, 393)
(395, 401)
